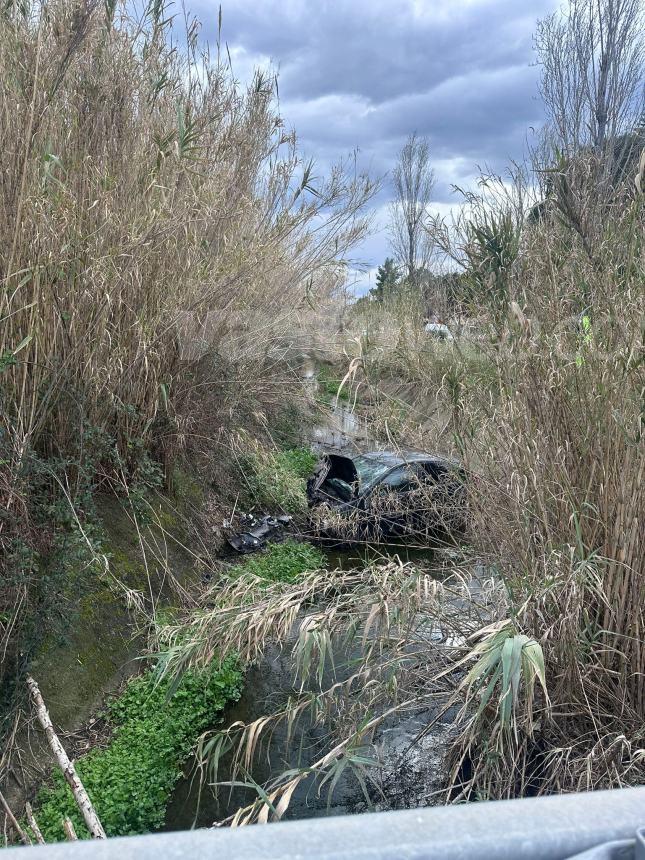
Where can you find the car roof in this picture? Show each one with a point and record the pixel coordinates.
(391, 458)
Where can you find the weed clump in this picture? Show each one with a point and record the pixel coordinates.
(276, 479)
(283, 562)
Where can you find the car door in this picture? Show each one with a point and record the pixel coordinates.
(444, 501)
(390, 500)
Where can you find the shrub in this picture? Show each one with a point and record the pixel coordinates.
(130, 782)
(276, 479)
(283, 562)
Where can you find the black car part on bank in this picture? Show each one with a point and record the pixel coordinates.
(256, 533)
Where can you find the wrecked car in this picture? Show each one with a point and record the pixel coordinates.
(383, 494)
(439, 331)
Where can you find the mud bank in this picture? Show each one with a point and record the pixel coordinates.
(101, 643)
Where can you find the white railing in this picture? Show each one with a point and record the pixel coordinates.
(604, 825)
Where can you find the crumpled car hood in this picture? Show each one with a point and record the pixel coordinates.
(335, 479)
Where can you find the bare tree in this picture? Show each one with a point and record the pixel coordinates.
(592, 54)
(413, 179)
(593, 72)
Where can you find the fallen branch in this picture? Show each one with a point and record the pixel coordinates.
(73, 780)
(24, 838)
(68, 827)
(34, 824)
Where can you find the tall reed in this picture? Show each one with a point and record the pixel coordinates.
(152, 211)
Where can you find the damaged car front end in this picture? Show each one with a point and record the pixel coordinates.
(383, 494)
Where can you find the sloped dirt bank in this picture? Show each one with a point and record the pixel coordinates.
(87, 659)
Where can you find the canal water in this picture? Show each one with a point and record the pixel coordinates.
(411, 771)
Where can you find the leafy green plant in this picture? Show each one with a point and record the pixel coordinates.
(155, 729)
(277, 478)
(300, 461)
(506, 661)
(328, 385)
(283, 562)
(492, 248)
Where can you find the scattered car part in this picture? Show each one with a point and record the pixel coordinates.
(257, 533)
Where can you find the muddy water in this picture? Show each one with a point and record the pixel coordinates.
(267, 686)
(407, 778)
(412, 774)
(362, 555)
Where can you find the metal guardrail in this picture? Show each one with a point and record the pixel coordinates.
(603, 825)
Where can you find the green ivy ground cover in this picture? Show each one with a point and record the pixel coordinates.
(131, 781)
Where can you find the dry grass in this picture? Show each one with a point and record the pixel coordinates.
(552, 427)
(556, 441)
(149, 188)
(164, 251)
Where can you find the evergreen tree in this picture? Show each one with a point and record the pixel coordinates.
(387, 280)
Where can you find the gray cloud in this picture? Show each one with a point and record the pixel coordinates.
(365, 73)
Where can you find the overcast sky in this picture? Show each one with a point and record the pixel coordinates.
(366, 73)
